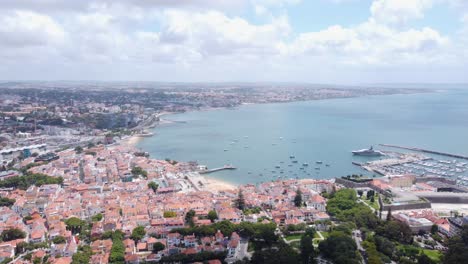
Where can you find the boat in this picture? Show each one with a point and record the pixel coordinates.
(226, 150)
(277, 166)
(328, 165)
(317, 168)
(294, 161)
(305, 164)
(319, 162)
(368, 152)
(292, 157)
(145, 134)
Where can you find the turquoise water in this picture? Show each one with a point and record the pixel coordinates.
(327, 130)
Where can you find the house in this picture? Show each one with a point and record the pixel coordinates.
(173, 239)
(219, 237)
(129, 246)
(233, 244)
(456, 224)
(190, 241)
(132, 259)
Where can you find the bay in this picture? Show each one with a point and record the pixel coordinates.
(259, 139)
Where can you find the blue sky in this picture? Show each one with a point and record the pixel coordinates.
(316, 41)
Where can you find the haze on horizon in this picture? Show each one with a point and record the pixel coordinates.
(320, 41)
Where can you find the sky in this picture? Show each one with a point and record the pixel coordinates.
(314, 41)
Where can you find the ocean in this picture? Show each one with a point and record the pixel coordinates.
(259, 139)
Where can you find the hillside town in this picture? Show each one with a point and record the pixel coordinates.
(114, 204)
(74, 189)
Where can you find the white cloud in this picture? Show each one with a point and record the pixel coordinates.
(398, 12)
(175, 40)
(24, 28)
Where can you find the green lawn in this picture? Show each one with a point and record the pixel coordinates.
(374, 205)
(295, 244)
(293, 237)
(435, 255)
(324, 234)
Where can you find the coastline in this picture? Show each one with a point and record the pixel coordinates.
(214, 184)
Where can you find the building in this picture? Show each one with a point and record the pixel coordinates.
(456, 224)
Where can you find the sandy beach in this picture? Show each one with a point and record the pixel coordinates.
(213, 184)
(130, 141)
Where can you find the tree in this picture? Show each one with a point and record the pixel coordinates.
(340, 248)
(457, 248)
(97, 217)
(395, 230)
(212, 215)
(240, 201)
(153, 186)
(372, 199)
(138, 233)
(78, 149)
(12, 234)
(138, 171)
(4, 201)
(189, 217)
(434, 229)
(158, 246)
(59, 240)
(370, 194)
(275, 255)
(74, 224)
(389, 214)
(360, 193)
(298, 198)
(424, 259)
(307, 249)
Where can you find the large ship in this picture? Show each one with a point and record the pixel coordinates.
(368, 152)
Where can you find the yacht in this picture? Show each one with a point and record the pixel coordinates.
(368, 152)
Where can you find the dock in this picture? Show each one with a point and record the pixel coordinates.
(225, 167)
(426, 151)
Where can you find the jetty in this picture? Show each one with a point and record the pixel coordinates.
(225, 167)
(426, 151)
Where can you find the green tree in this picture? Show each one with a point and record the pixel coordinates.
(389, 214)
(74, 224)
(434, 229)
(78, 149)
(4, 201)
(307, 249)
(298, 198)
(360, 193)
(189, 217)
(12, 234)
(158, 246)
(97, 217)
(424, 259)
(457, 248)
(212, 215)
(153, 186)
(138, 171)
(275, 255)
(138, 233)
(240, 201)
(83, 255)
(340, 248)
(59, 240)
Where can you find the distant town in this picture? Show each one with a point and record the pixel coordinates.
(74, 189)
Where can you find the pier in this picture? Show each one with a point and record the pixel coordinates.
(426, 151)
(225, 167)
